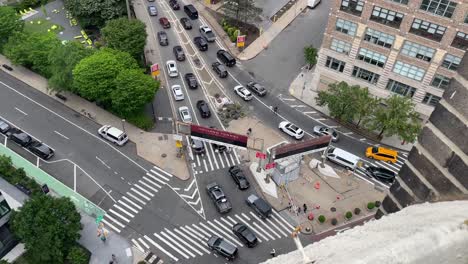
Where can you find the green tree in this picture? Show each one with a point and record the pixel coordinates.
(31, 50)
(397, 117)
(77, 255)
(10, 22)
(48, 227)
(365, 105)
(133, 91)
(92, 13)
(241, 10)
(62, 60)
(337, 99)
(125, 35)
(310, 54)
(93, 76)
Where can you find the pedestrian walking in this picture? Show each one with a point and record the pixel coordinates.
(275, 109)
(298, 210)
(114, 259)
(273, 252)
(305, 208)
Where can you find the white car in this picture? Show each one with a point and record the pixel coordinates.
(291, 129)
(243, 92)
(177, 92)
(207, 33)
(113, 134)
(172, 68)
(326, 131)
(185, 114)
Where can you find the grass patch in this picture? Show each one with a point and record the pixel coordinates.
(41, 25)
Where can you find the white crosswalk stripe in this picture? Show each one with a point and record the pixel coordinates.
(135, 243)
(161, 248)
(139, 193)
(147, 185)
(124, 211)
(171, 246)
(213, 160)
(192, 241)
(183, 242)
(134, 204)
(136, 198)
(144, 190)
(119, 215)
(155, 178)
(129, 207)
(112, 226)
(179, 246)
(152, 182)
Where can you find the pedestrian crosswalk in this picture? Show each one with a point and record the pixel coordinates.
(132, 202)
(189, 241)
(395, 167)
(213, 160)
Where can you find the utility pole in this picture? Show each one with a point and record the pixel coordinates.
(297, 241)
(259, 168)
(127, 2)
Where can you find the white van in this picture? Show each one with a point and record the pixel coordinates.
(343, 158)
(312, 3)
(113, 134)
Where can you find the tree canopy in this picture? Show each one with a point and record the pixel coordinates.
(91, 13)
(10, 22)
(125, 35)
(241, 10)
(338, 99)
(310, 54)
(48, 227)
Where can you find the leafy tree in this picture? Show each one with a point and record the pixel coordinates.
(310, 54)
(397, 117)
(31, 50)
(365, 105)
(94, 75)
(91, 13)
(10, 22)
(133, 91)
(241, 10)
(337, 98)
(48, 227)
(77, 255)
(125, 35)
(62, 60)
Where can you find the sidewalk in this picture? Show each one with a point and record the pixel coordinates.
(150, 146)
(303, 88)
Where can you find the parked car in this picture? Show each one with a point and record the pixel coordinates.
(342, 157)
(186, 23)
(226, 58)
(4, 126)
(257, 88)
(291, 129)
(207, 33)
(219, 198)
(172, 68)
(152, 10)
(201, 43)
(41, 150)
(381, 174)
(203, 108)
(113, 135)
(185, 115)
(197, 146)
(239, 178)
(259, 205)
(243, 92)
(222, 247)
(245, 234)
(191, 80)
(165, 22)
(174, 5)
(177, 92)
(179, 53)
(219, 69)
(219, 148)
(20, 138)
(326, 131)
(163, 39)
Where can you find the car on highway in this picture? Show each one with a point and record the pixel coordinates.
(326, 131)
(257, 88)
(239, 178)
(172, 68)
(186, 23)
(185, 115)
(165, 22)
(19, 137)
(201, 43)
(203, 108)
(226, 58)
(191, 80)
(245, 235)
(222, 247)
(262, 208)
(243, 92)
(174, 5)
(177, 92)
(207, 33)
(152, 10)
(291, 129)
(383, 154)
(179, 53)
(380, 174)
(113, 135)
(219, 69)
(197, 146)
(4, 126)
(41, 150)
(218, 197)
(162, 38)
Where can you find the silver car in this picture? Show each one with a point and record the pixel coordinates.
(326, 131)
(185, 115)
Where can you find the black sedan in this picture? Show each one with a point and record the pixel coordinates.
(239, 177)
(257, 88)
(245, 235)
(174, 5)
(191, 80)
(179, 53)
(381, 174)
(219, 69)
(201, 43)
(41, 150)
(20, 138)
(186, 23)
(219, 198)
(203, 108)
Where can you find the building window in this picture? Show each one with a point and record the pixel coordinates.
(335, 64)
(427, 29)
(431, 99)
(340, 46)
(451, 62)
(4, 208)
(366, 75)
(352, 6)
(408, 70)
(443, 8)
(460, 41)
(400, 88)
(415, 50)
(372, 57)
(346, 26)
(387, 17)
(440, 81)
(379, 38)
(404, 2)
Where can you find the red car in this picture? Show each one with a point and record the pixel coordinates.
(164, 22)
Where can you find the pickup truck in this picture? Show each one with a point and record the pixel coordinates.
(207, 33)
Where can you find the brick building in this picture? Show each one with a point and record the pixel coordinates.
(408, 47)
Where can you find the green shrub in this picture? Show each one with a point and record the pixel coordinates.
(15, 176)
(334, 221)
(370, 205)
(141, 121)
(348, 215)
(141, 262)
(230, 31)
(357, 211)
(77, 255)
(322, 219)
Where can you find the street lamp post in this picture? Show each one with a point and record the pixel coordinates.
(123, 125)
(127, 2)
